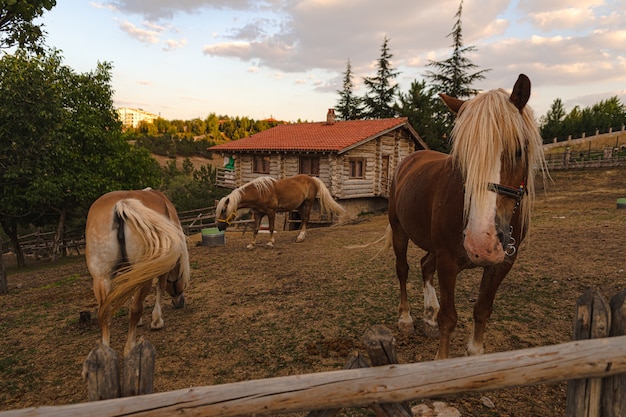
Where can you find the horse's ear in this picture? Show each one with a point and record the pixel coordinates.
(521, 92)
(454, 104)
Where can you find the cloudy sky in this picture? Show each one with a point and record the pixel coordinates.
(286, 58)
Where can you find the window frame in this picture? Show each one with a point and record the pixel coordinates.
(261, 163)
(356, 168)
(313, 165)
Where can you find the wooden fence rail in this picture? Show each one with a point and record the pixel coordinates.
(364, 387)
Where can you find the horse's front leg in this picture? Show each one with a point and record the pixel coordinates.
(431, 304)
(447, 271)
(489, 284)
(157, 314)
(136, 310)
(271, 220)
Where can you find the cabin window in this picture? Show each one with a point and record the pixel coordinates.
(261, 164)
(357, 168)
(310, 165)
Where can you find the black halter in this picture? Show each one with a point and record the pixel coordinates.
(517, 194)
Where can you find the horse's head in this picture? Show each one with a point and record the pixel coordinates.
(496, 146)
(225, 213)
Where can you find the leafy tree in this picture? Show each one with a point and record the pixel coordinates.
(552, 122)
(422, 109)
(16, 23)
(605, 114)
(189, 188)
(381, 89)
(454, 75)
(349, 106)
(61, 143)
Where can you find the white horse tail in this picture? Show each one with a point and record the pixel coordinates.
(387, 238)
(161, 246)
(328, 205)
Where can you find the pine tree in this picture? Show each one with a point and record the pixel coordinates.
(454, 76)
(421, 106)
(381, 89)
(349, 106)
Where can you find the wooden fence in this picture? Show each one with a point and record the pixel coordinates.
(193, 221)
(594, 367)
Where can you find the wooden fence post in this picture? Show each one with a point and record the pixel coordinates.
(139, 370)
(100, 371)
(591, 321)
(614, 387)
(378, 342)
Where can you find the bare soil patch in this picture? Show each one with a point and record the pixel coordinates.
(301, 308)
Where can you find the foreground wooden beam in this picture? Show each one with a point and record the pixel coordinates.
(364, 387)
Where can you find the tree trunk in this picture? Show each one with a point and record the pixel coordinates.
(4, 285)
(11, 232)
(58, 235)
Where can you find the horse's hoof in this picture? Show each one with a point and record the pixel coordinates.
(406, 327)
(250, 246)
(157, 326)
(432, 332)
(299, 240)
(140, 323)
(180, 303)
(270, 244)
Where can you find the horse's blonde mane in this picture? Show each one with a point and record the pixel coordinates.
(261, 184)
(488, 132)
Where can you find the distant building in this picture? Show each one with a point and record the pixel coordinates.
(131, 117)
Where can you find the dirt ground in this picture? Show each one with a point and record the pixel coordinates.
(301, 308)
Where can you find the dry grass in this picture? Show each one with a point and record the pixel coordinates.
(301, 308)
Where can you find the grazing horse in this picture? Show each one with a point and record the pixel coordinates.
(131, 238)
(266, 196)
(467, 209)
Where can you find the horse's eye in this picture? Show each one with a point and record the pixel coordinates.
(518, 154)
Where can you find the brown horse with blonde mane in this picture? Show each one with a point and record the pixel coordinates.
(266, 196)
(133, 237)
(467, 209)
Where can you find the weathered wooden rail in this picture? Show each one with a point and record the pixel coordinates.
(584, 360)
(363, 387)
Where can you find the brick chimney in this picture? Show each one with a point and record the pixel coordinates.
(330, 117)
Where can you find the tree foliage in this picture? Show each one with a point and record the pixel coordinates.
(455, 75)
(381, 89)
(423, 109)
(16, 23)
(61, 144)
(559, 124)
(190, 188)
(349, 106)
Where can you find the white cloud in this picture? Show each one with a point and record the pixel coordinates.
(569, 18)
(142, 35)
(172, 44)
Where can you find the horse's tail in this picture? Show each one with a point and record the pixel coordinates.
(164, 246)
(327, 204)
(387, 238)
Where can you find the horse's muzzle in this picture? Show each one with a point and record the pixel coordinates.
(221, 225)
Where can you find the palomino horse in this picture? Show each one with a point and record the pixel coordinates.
(467, 209)
(133, 237)
(266, 196)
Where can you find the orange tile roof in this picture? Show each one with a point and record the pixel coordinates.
(318, 136)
